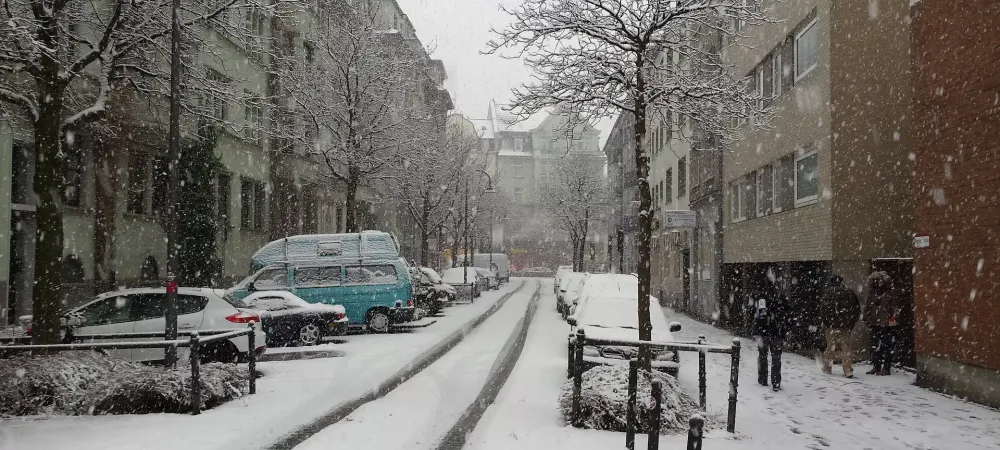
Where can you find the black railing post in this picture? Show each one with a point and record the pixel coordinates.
(695, 429)
(734, 382)
(195, 346)
(571, 350)
(701, 373)
(633, 386)
(654, 415)
(581, 338)
(252, 357)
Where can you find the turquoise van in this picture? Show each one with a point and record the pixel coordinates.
(376, 292)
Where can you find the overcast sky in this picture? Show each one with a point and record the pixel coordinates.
(457, 30)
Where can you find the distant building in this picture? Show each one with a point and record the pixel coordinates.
(624, 190)
(955, 197)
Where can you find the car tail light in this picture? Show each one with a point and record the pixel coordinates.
(243, 317)
(27, 332)
(409, 303)
(339, 316)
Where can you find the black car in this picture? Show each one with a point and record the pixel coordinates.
(289, 320)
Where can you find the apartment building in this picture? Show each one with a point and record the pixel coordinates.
(623, 186)
(825, 188)
(955, 197)
(527, 152)
(114, 207)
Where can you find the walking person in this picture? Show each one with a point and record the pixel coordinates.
(881, 313)
(839, 311)
(769, 324)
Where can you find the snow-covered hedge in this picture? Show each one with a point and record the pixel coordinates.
(604, 401)
(76, 383)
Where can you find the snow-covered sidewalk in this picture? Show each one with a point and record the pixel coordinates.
(290, 394)
(813, 411)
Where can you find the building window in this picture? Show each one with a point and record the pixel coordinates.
(681, 177)
(214, 101)
(518, 145)
(254, 111)
(252, 204)
(806, 178)
(761, 92)
(519, 195)
(310, 49)
(765, 191)
(160, 181)
(806, 50)
(148, 178)
(136, 184)
(518, 170)
(73, 187)
(776, 75)
(150, 270)
(668, 185)
(784, 184)
(72, 270)
(255, 21)
(737, 201)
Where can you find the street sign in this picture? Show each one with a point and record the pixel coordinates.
(680, 219)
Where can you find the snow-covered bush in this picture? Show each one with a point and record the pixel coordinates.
(78, 383)
(604, 401)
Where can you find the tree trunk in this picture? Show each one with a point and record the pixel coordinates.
(425, 232)
(583, 239)
(49, 235)
(351, 203)
(644, 218)
(574, 241)
(105, 213)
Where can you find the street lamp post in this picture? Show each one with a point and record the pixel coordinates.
(170, 331)
(489, 190)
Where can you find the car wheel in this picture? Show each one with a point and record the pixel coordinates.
(310, 334)
(378, 321)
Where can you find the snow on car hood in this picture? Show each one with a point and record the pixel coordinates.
(614, 317)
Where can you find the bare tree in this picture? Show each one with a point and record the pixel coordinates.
(601, 58)
(429, 187)
(354, 101)
(572, 198)
(62, 64)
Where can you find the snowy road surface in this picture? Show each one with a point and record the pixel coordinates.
(814, 411)
(418, 413)
(290, 394)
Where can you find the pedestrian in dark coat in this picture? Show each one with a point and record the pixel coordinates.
(839, 311)
(770, 324)
(881, 315)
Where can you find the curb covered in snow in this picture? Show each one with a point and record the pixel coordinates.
(499, 373)
(420, 363)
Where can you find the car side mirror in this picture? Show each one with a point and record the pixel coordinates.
(675, 327)
(251, 287)
(571, 320)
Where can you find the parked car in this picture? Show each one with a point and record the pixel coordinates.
(144, 311)
(560, 272)
(496, 262)
(490, 281)
(375, 292)
(609, 312)
(569, 291)
(430, 292)
(464, 279)
(288, 319)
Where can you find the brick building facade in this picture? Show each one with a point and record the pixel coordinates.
(956, 87)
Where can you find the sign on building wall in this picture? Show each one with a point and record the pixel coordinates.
(680, 219)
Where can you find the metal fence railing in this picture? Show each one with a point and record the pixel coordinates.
(196, 341)
(578, 362)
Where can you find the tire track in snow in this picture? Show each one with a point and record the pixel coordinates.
(499, 373)
(421, 362)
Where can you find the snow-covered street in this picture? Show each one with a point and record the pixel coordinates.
(814, 410)
(290, 394)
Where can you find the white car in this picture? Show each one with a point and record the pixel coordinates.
(610, 311)
(464, 279)
(569, 291)
(143, 310)
(561, 271)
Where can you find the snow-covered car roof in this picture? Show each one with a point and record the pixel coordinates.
(571, 280)
(454, 275)
(292, 300)
(615, 316)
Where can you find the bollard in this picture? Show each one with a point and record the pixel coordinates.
(701, 373)
(569, 357)
(734, 382)
(633, 386)
(252, 357)
(578, 378)
(195, 345)
(654, 415)
(695, 429)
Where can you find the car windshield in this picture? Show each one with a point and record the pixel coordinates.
(483, 210)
